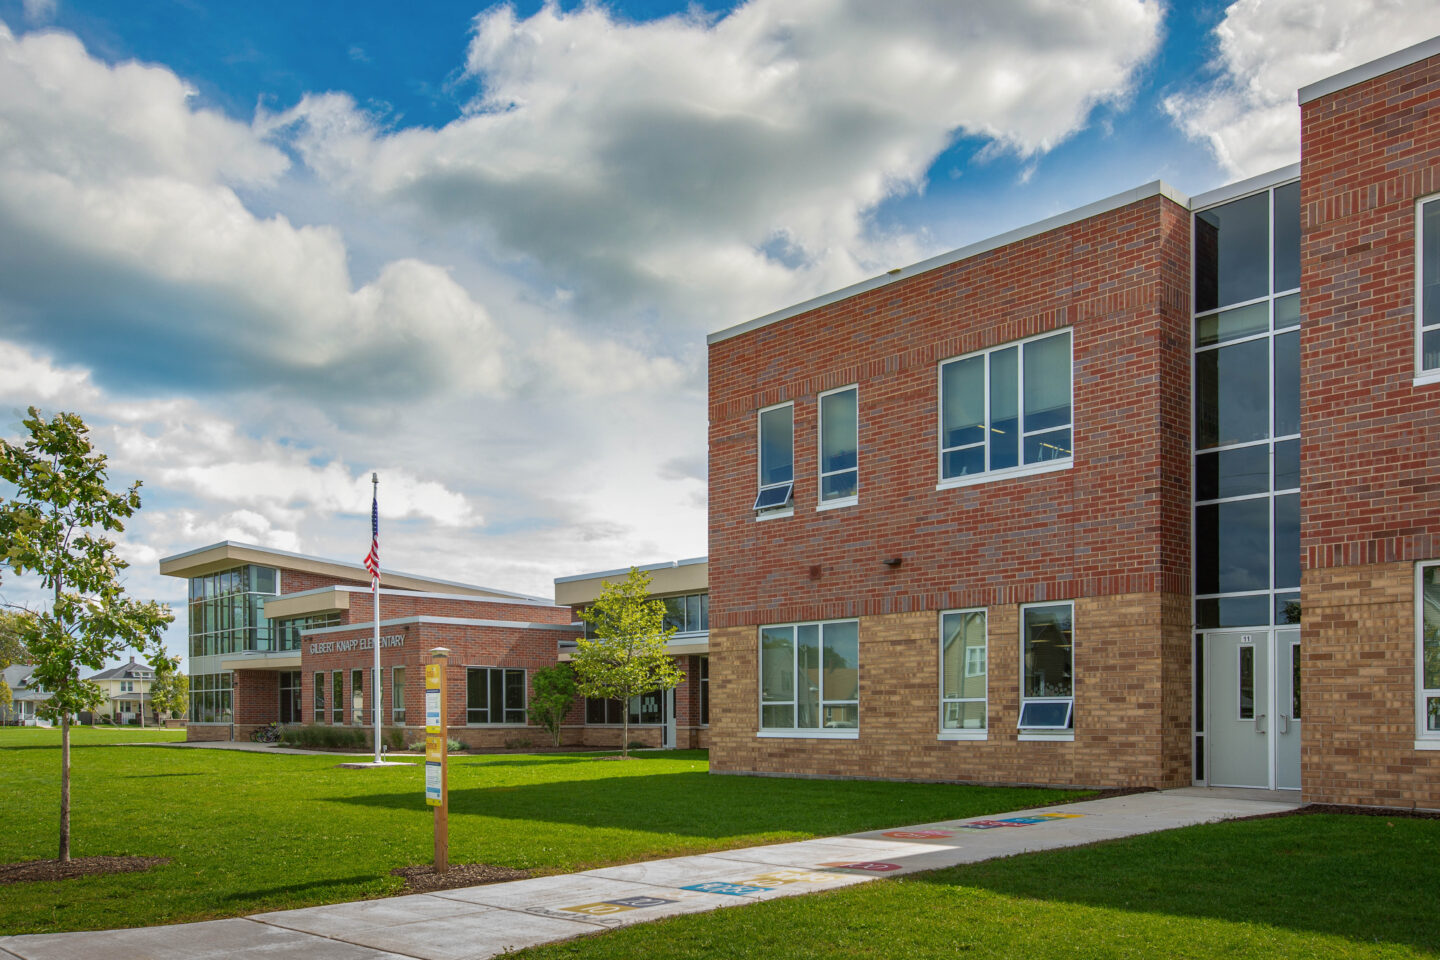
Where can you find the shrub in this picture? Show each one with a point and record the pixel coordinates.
(356, 738)
(452, 745)
(516, 743)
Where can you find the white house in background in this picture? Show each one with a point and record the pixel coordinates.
(25, 698)
(126, 689)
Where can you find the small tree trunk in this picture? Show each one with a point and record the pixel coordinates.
(65, 788)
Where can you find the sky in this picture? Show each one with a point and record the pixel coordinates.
(266, 248)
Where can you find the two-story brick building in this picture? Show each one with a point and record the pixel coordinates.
(1140, 495)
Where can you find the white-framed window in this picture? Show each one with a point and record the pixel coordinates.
(1427, 650)
(839, 443)
(1047, 665)
(127, 686)
(397, 695)
(810, 678)
(964, 674)
(1006, 410)
(357, 697)
(775, 427)
(1427, 287)
(319, 696)
(494, 695)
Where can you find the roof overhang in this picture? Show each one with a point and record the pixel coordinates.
(666, 579)
(264, 661)
(309, 603)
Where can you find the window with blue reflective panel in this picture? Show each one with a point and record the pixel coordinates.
(1232, 255)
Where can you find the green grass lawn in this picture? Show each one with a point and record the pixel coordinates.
(249, 832)
(1305, 886)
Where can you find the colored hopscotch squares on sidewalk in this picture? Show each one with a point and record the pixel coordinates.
(765, 881)
(1018, 821)
(606, 908)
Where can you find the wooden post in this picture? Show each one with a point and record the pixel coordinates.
(437, 772)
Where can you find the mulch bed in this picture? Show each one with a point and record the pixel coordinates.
(32, 870)
(422, 878)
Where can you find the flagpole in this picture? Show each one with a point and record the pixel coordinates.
(376, 699)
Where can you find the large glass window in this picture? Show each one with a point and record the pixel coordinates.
(810, 676)
(1247, 410)
(337, 703)
(1047, 693)
(1006, 407)
(777, 457)
(494, 695)
(1428, 309)
(290, 696)
(1428, 651)
(687, 614)
(319, 697)
(964, 669)
(839, 446)
(397, 694)
(644, 709)
(210, 698)
(357, 696)
(226, 611)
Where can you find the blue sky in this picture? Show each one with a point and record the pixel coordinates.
(266, 248)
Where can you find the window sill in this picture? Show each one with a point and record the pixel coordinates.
(1064, 736)
(1029, 470)
(493, 726)
(1428, 744)
(836, 504)
(1427, 378)
(775, 515)
(852, 734)
(963, 735)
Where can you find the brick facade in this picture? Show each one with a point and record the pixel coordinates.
(1369, 487)
(1110, 533)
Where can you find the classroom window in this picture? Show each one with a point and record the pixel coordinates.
(1428, 306)
(776, 458)
(494, 695)
(1428, 650)
(1047, 695)
(839, 446)
(357, 696)
(964, 670)
(1006, 408)
(397, 694)
(337, 704)
(809, 676)
(319, 697)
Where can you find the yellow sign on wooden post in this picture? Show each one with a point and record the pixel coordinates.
(437, 793)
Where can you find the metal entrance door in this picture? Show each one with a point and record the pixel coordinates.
(1287, 709)
(1253, 708)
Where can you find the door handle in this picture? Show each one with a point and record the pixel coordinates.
(1259, 720)
(1284, 723)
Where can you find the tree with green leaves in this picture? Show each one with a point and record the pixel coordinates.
(169, 691)
(626, 653)
(552, 692)
(54, 528)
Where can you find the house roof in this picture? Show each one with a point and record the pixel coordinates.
(126, 671)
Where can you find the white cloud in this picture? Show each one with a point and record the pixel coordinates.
(1267, 51)
(658, 160)
(119, 219)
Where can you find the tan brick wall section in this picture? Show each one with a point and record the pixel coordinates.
(1133, 703)
(1358, 689)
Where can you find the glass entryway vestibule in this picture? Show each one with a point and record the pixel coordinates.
(1249, 718)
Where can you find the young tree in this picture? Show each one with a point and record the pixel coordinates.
(553, 692)
(170, 690)
(627, 654)
(54, 527)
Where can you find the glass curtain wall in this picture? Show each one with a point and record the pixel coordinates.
(1247, 411)
(227, 611)
(1247, 418)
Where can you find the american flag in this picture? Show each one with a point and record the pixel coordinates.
(372, 559)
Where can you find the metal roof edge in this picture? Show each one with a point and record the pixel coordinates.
(1369, 71)
(621, 571)
(1105, 205)
(1261, 181)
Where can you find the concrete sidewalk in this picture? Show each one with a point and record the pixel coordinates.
(478, 922)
